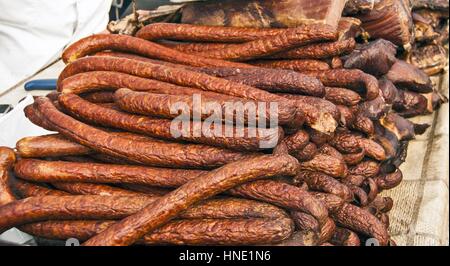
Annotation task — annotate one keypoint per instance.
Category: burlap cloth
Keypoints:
(420, 216)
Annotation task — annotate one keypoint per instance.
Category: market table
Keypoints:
(420, 215)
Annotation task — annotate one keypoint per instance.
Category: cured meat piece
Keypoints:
(99, 97)
(410, 104)
(304, 221)
(354, 158)
(375, 108)
(353, 7)
(388, 90)
(139, 151)
(94, 189)
(430, 4)
(347, 116)
(432, 59)
(53, 145)
(345, 237)
(162, 128)
(390, 20)
(161, 105)
(300, 65)
(169, 206)
(184, 78)
(389, 181)
(27, 189)
(99, 42)
(341, 96)
(408, 77)
(266, 79)
(181, 232)
(318, 51)
(362, 221)
(272, 80)
(326, 164)
(353, 79)
(320, 114)
(324, 183)
(286, 40)
(332, 202)
(296, 141)
(349, 28)
(284, 195)
(307, 153)
(375, 58)
(189, 32)
(263, 14)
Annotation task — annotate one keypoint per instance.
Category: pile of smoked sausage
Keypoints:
(113, 174)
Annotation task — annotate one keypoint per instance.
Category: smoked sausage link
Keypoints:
(134, 227)
(149, 152)
(124, 43)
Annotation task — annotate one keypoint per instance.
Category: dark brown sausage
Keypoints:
(53, 145)
(341, 96)
(7, 160)
(367, 168)
(288, 39)
(134, 227)
(360, 220)
(320, 114)
(300, 65)
(94, 189)
(346, 142)
(307, 153)
(219, 208)
(347, 116)
(272, 80)
(187, 32)
(42, 208)
(363, 124)
(329, 150)
(354, 158)
(389, 181)
(107, 80)
(296, 142)
(36, 118)
(326, 164)
(242, 137)
(345, 237)
(304, 221)
(324, 183)
(327, 231)
(284, 195)
(28, 189)
(310, 51)
(332, 202)
(286, 109)
(98, 97)
(95, 43)
(162, 105)
(373, 149)
(148, 152)
(59, 171)
(349, 78)
(318, 50)
(181, 232)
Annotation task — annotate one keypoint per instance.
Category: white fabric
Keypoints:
(33, 33)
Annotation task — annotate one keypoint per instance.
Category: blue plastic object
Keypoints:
(41, 84)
